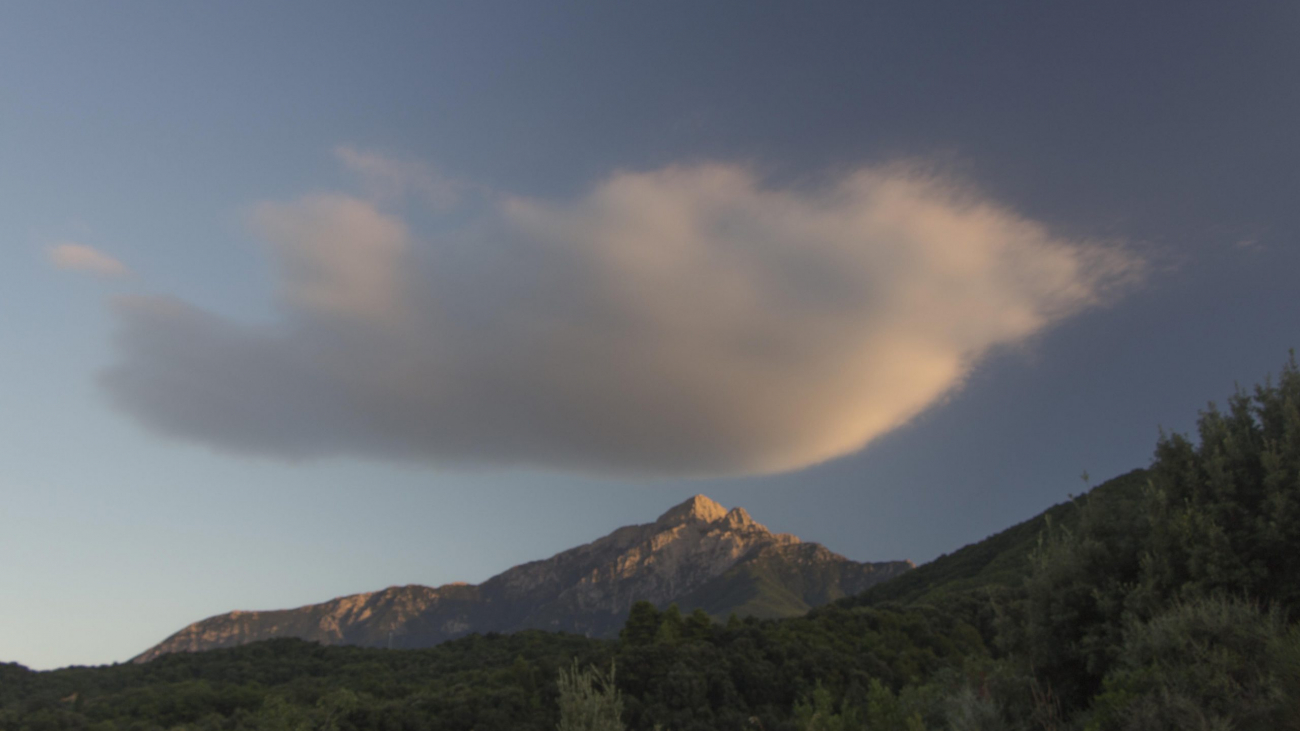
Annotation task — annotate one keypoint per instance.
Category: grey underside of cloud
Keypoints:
(682, 322)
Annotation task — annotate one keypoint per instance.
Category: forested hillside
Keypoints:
(1162, 599)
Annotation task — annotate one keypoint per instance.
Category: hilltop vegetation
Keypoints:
(1163, 599)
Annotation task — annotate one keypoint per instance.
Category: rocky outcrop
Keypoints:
(698, 554)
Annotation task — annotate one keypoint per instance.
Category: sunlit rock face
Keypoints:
(698, 554)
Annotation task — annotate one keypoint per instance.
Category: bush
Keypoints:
(1212, 663)
(589, 701)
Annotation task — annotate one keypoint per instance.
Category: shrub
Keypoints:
(588, 700)
(1211, 663)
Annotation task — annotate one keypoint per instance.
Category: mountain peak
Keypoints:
(697, 509)
(698, 554)
(739, 518)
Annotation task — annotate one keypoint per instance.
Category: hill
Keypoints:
(1001, 560)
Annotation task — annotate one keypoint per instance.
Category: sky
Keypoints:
(308, 299)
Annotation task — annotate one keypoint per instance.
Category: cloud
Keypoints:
(338, 256)
(70, 255)
(387, 179)
(686, 321)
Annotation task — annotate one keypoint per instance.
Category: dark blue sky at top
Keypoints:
(147, 129)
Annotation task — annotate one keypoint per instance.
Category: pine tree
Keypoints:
(671, 626)
(698, 626)
(641, 626)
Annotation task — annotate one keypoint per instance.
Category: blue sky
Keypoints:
(423, 291)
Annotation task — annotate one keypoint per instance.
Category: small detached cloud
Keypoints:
(686, 321)
(70, 255)
(390, 180)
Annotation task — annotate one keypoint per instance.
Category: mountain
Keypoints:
(697, 554)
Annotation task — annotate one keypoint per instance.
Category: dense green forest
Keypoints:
(1163, 599)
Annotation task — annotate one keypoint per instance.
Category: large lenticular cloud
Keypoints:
(688, 321)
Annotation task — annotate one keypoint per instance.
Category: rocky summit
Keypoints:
(697, 554)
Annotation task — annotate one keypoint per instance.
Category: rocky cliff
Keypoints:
(698, 554)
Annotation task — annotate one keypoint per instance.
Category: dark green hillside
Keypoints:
(497, 681)
(1001, 560)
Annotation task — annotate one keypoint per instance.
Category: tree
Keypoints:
(642, 624)
(818, 713)
(588, 700)
(698, 626)
(671, 626)
(278, 714)
(335, 706)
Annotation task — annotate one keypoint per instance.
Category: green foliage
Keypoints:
(760, 669)
(884, 711)
(969, 710)
(818, 713)
(642, 624)
(278, 714)
(887, 712)
(671, 626)
(710, 677)
(589, 700)
(1210, 663)
(336, 707)
(698, 626)
(497, 682)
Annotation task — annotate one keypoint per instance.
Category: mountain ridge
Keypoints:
(698, 554)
